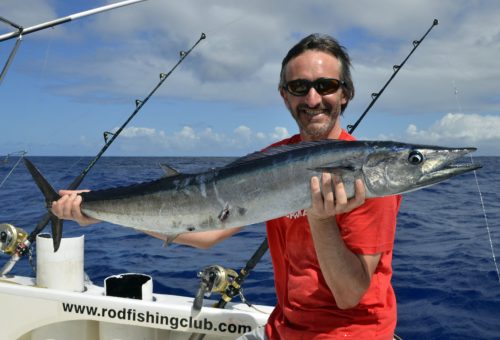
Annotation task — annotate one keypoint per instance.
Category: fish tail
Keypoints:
(50, 196)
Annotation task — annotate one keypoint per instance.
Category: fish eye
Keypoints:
(415, 157)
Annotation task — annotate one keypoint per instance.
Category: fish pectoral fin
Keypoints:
(224, 213)
(169, 239)
(169, 170)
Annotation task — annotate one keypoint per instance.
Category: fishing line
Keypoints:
(487, 225)
(21, 155)
(67, 171)
(456, 92)
(46, 57)
(455, 89)
(216, 29)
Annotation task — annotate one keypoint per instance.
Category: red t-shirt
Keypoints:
(306, 308)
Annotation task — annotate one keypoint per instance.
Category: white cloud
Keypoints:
(469, 128)
(458, 129)
(279, 133)
(189, 141)
(212, 136)
(132, 132)
(240, 57)
(187, 133)
(244, 132)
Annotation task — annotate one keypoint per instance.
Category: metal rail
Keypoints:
(21, 31)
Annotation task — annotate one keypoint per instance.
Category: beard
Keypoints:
(305, 118)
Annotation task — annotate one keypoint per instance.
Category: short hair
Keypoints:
(327, 44)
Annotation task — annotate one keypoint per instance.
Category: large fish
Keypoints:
(264, 185)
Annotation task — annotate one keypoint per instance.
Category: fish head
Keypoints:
(398, 168)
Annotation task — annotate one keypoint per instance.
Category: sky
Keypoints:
(69, 84)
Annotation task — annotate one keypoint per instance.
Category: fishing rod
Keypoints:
(396, 68)
(225, 281)
(22, 247)
(21, 31)
(233, 288)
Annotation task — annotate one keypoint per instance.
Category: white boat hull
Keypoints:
(32, 313)
(75, 309)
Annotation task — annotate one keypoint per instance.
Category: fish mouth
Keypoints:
(449, 169)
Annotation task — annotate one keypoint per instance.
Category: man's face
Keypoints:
(317, 116)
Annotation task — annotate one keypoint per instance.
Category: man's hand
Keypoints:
(68, 207)
(330, 202)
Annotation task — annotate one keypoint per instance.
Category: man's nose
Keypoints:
(312, 98)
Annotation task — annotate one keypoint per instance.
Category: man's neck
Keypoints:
(333, 134)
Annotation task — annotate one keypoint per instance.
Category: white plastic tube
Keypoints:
(131, 286)
(63, 269)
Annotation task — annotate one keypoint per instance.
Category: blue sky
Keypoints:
(69, 84)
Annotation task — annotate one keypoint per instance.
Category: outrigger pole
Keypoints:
(21, 31)
(23, 247)
(234, 287)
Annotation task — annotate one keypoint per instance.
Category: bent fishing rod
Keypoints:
(21, 31)
(25, 241)
(233, 288)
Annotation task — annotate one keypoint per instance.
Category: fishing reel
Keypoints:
(213, 279)
(10, 238)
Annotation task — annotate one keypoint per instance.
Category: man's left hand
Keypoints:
(333, 200)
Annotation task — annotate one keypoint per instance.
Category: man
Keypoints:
(332, 263)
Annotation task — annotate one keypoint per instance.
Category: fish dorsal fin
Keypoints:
(169, 170)
(276, 150)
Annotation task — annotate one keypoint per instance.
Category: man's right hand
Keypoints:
(68, 207)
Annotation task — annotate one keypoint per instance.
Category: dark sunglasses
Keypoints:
(324, 86)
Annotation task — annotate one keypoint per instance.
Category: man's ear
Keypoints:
(284, 95)
(343, 98)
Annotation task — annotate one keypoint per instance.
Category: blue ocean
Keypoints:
(445, 277)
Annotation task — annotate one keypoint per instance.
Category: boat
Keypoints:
(61, 303)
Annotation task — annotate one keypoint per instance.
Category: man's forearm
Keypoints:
(347, 274)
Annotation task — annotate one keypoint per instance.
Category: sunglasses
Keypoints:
(324, 86)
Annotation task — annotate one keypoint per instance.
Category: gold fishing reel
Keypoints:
(225, 277)
(213, 279)
(10, 238)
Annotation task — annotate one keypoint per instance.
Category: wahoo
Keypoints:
(263, 185)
